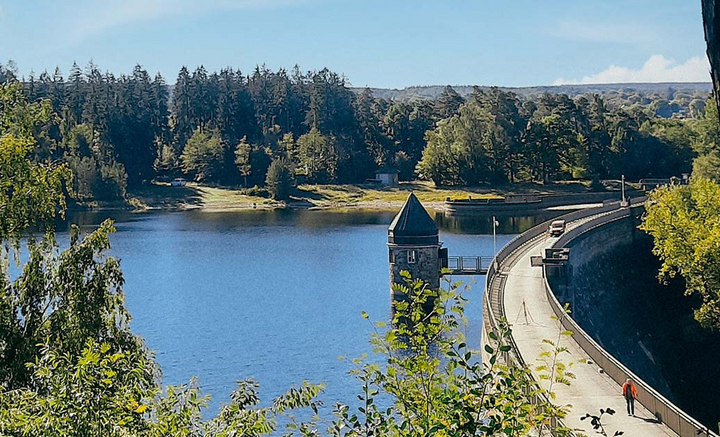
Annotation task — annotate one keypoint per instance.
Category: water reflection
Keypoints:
(318, 219)
(482, 223)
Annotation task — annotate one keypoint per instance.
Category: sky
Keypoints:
(376, 43)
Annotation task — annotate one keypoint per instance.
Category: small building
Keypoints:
(387, 176)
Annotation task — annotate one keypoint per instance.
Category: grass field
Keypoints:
(425, 191)
(194, 196)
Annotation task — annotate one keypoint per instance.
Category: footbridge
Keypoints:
(517, 290)
(468, 265)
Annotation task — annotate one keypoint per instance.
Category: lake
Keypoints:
(272, 295)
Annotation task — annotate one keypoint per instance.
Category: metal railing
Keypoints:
(495, 280)
(469, 264)
(665, 411)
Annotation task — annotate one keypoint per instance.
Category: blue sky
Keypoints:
(382, 43)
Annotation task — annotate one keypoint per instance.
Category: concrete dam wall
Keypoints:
(610, 283)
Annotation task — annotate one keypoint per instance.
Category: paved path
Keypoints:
(592, 390)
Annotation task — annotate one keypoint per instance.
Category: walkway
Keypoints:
(592, 390)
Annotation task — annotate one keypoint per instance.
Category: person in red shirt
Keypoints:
(629, 393)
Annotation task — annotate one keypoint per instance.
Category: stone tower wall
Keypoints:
(426, 267)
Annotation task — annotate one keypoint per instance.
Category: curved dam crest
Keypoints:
(611, 285)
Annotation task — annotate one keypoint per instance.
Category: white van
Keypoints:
(556, 228)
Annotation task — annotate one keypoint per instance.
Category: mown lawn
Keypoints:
(163, 196)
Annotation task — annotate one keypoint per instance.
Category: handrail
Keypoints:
(469, 263)
(499, 259)
(670, 414)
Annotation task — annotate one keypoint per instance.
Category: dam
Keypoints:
(533, 279)
(519, 285)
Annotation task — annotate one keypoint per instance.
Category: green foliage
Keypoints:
(439, 161)
(318, 157)
(167, 160)
(252, 162)
(552, 368)
(707, 130)
(707, 166)
(683, 221)
(448, 103)
(598, 425)
(706, 142)
(280, 179)
(495, 138)
(102, 391)
(481, 143)
(202, 157)
(62, 301)
(438, 385)
(30, 193)
(347, 134)
(242, 158)
(97, 175)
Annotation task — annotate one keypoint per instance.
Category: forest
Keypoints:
(119, 133)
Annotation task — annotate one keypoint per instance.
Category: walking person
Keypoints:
(630, 393)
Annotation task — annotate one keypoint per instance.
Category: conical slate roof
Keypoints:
(413, 225)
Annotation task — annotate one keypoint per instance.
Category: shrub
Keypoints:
(280, 180)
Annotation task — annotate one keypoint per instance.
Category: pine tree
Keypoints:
(76, 92)
(182, 126)
(448, 104)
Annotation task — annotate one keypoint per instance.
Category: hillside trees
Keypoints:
(97, 174)
(252, 161)
(496, 138)
(405, 126)
(683, 222)
(141, 127)
(448, 103)
(506, 135)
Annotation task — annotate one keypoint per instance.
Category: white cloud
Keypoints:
(656, 69)
(97, 17)
(605, 32)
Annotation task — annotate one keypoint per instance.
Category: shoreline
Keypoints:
(195, 197)
(369, 206)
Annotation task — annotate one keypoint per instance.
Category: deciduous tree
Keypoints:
(683, 221)
(202, 157)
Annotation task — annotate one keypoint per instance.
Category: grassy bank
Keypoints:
(194, 196)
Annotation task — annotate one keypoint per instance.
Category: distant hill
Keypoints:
(644, 89)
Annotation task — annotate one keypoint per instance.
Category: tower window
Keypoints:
(412, 256)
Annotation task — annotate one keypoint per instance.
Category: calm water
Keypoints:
(275, 296)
